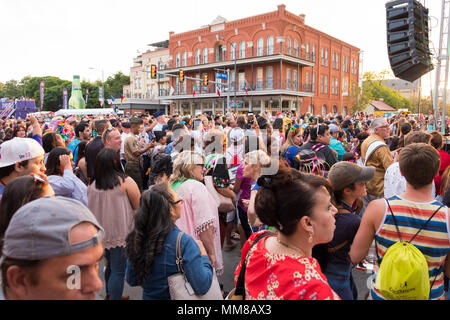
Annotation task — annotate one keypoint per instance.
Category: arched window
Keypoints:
(197, 57)
(334, 109)
(270, 45)
(289, 45)
(233, 51)
(205, 55)
(311, 109)
(324, 110)
(260, 47)
(296, 48)
(242, 50)
(345, 111)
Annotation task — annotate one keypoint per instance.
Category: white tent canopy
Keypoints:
(83, 112)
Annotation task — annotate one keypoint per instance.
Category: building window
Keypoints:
(233, 51)
(260, 47)
(232, 80)
(197, 56)
(307, 51)
(288, 79)
(307, 81)
(334, 60)
(295, 80)
(337, 61)
(296, 48)
(147, 71)
(289, 45)
(184, 58)
(178, 60)
(326, 58)
(242, 50)
(205, 55)
(324, 110)
(269, 77)
(270, 45)
(313, 83)
(321, 83)
(326, 84)
(259, 78)
(311, 109)
(241, 81)
(322, 56)
(314, 53)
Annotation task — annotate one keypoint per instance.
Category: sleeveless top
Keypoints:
(433, 241)
(113, 210)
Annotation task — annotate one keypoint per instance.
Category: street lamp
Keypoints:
(235, 54)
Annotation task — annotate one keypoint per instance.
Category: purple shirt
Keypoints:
(246, 186)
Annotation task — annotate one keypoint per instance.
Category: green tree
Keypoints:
(114, 85)
(373, 89)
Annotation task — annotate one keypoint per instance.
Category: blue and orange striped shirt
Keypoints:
(433, 241)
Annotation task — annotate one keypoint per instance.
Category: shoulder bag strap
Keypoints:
(240, 285)
(179, 256)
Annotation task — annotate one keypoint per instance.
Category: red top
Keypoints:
(282, 276)
(445, 162)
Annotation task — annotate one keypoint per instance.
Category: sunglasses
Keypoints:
(176, 202)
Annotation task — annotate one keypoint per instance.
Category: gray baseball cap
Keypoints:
(343, 174)
(40, 229)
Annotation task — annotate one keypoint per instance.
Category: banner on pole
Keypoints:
(65, 96)
(41, 93)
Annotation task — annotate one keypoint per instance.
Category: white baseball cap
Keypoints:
(19, 149)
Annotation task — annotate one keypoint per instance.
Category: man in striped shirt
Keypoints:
(419, 163)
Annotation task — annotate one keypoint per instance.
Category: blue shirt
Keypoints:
(197, 268)
(73, 146)
(337, 146)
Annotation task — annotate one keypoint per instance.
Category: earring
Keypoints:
(310, 240)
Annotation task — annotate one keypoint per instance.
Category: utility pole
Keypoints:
(442, 66)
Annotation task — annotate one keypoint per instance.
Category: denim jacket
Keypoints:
(198, 269)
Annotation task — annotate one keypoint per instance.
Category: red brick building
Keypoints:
(281, 65)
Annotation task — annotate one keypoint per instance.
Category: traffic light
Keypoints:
(181, 76)
(408, 39)
(154, 70)
(205, 80)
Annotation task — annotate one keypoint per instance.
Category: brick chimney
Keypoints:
(302, 17)
(281, 10)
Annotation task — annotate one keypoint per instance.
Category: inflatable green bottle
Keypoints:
(76, 100)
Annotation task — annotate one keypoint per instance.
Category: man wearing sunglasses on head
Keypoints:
(376, 153)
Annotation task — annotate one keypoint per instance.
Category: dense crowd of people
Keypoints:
(309, 197)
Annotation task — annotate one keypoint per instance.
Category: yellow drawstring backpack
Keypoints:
(403, 273)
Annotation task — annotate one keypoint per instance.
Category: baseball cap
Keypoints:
(158, 114)
(40, 229)
(333, 128)
(343, 174)
(236, 134)
(19, 149)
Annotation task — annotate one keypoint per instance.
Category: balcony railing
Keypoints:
(252, 52)
(258, 86)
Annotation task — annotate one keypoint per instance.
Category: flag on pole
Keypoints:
(193, 91)
(218, 91)
(122, 100)
(246, 89)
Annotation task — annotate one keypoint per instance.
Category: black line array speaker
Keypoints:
(407, 39)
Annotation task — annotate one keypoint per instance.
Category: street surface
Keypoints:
(231, 260)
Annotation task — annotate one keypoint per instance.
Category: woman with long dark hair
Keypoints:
(17, 193)
(61, 177)
(113, 197)
(150, 247)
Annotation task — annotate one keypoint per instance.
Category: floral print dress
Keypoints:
(282, 276)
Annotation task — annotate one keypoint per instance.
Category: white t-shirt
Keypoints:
(395, 183)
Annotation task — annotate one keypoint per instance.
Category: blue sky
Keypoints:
(62, 38)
